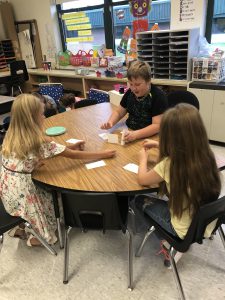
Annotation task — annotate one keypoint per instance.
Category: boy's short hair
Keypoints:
(67, 100)
(139, 69)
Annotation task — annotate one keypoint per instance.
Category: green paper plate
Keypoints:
(55, 130)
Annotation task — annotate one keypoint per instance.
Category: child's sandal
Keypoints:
(18, 232)
(33, 242)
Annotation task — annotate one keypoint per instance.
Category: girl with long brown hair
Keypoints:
(186, 171)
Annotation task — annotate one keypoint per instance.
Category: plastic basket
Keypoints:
(208, 69)
(86, 58)
(77, 60)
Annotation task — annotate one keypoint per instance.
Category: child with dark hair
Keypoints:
(66, 102)
(50, 107)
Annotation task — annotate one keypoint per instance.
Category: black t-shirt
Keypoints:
(141, 112)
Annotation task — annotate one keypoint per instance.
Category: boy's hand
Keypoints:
(130, 136)
(106, 125)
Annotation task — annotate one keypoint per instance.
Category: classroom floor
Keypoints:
(98, 269)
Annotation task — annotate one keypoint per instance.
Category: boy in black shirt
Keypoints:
(144, 102)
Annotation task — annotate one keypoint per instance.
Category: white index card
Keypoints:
(104, 136)
(73, 141)
(113, 138)
(131, 167)
(96, 164)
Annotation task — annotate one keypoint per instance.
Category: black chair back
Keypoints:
(92, 210)
(18, 72)
(85, 102)
(177, 97)
(206, 214)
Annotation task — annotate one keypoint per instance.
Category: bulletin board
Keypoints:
(28, 30)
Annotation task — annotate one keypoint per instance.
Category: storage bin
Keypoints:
(208, 69)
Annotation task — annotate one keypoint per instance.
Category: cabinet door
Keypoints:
(205, 98)
(218, 117)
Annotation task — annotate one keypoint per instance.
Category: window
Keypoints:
(218, 25)
(122, 17)
(82, 28)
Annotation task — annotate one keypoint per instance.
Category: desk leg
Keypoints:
(57, 215)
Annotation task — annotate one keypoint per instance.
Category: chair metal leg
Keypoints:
(66, 255)
(130, 261)
(59, 233)
(148, 233)
(20, 89)
(1, 241)
(175, 273)
(57, 215)
(44, 243)
(132, 218)
(222, 235)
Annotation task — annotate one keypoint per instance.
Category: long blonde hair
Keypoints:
(194, 176)
(24, 135)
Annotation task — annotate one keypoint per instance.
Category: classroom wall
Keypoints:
(44, 11)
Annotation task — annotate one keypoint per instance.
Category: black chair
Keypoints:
(177, 97)
(93, 211)
(85, 102)
(8, 222)
(18, 75)
(195, 234)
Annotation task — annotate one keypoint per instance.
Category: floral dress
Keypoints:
(21, 197)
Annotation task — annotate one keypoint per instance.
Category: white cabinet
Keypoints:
(212, 110)
(217, 132)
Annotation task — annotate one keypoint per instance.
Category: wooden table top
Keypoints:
(5, 99)
(84, 123)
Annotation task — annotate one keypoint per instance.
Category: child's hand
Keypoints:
(106, 125)
(109, 153)
(143, 155)
(77, 146)
(148, 144)
(130, 136)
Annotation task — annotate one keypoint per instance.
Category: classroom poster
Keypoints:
(26, 48)
(187, 14)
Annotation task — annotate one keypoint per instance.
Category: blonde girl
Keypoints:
(186, 172)
(23, 150)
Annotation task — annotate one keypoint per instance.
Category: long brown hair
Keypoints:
(194, 176)
(24, 135)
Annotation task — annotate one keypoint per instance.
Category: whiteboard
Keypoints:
(26, 48)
